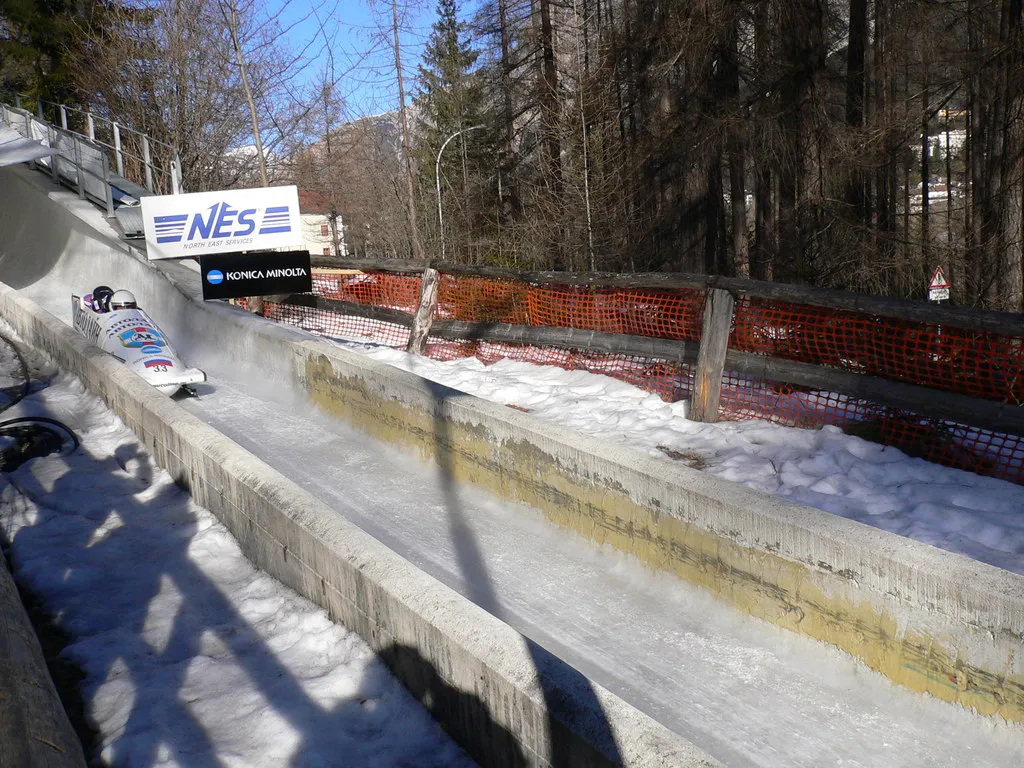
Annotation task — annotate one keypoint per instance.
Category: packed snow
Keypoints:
(192, 656)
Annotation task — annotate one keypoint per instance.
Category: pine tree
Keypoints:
(451, 99)
(40, 47)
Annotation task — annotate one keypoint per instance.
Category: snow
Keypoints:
(192, 656)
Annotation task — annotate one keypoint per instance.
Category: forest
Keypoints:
(853, 144)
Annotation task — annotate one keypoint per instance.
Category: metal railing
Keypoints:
(137, 158)
(76, 161)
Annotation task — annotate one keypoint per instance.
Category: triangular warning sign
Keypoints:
(938, 280)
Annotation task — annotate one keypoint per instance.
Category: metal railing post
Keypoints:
(117, 150)
(90, 126)
(78, 168)
(51, 133)
(108, 189)
(149, 162)
(17, 100)
(63, 117)
(39, 109)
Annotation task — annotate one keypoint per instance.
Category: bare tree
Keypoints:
(229, 11)
(410, 202)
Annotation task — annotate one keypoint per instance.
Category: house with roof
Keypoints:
(322, 227)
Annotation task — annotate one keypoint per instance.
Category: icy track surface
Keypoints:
(746, 691)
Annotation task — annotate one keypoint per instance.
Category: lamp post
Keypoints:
(437, 180)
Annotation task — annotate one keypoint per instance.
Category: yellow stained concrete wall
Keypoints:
(922, 623)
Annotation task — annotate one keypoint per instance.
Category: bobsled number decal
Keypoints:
(160, 365)
(141, 337)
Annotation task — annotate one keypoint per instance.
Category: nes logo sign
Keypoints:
(221, 222)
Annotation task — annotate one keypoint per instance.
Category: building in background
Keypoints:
(323, 231)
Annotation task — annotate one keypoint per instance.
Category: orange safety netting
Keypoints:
(979, 364)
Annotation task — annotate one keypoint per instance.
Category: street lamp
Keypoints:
(437, 180)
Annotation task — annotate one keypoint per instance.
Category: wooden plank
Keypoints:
(353, 308)
(569, 338)
(983, 320)
(986, 321)
(368, 265)
(424, 314)
(460, 330)
(925, 401)
(714, 342)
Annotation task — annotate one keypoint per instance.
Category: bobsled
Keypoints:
(134, 339)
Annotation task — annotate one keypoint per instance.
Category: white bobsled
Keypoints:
(134, 339)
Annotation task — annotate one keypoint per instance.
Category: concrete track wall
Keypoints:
(928, 619)
(34, 729)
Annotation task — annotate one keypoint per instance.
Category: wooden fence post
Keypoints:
(424, 313)
(714, 343)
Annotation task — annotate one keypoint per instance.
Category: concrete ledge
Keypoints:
(34, 729)
(928, 619)
(505, 700)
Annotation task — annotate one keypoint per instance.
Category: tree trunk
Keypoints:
(765, 243)
(549, 97)
(856, 191)
(730, 71)
(414, 231)
(508, 196)
(230, 14)
(925, 167)
(1011, 220)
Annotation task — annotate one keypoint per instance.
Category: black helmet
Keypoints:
(101, 297)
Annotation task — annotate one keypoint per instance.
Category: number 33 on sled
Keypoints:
(114, 323)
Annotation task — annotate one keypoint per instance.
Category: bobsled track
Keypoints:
(715, 626)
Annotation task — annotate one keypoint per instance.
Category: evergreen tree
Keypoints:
(40, 46)
(451, 99)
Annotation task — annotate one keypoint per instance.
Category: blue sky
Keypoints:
(360, 38)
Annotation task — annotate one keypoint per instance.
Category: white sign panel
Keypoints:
(219, 222)
(938, 294)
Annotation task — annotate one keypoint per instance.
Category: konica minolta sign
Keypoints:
(233, 275)
(221, 222)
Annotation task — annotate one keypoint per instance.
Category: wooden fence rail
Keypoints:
(981, 320)
(926, 401)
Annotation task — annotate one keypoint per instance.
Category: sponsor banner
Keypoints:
(234, 220)
(234, 275)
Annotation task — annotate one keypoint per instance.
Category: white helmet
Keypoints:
(123, 300)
